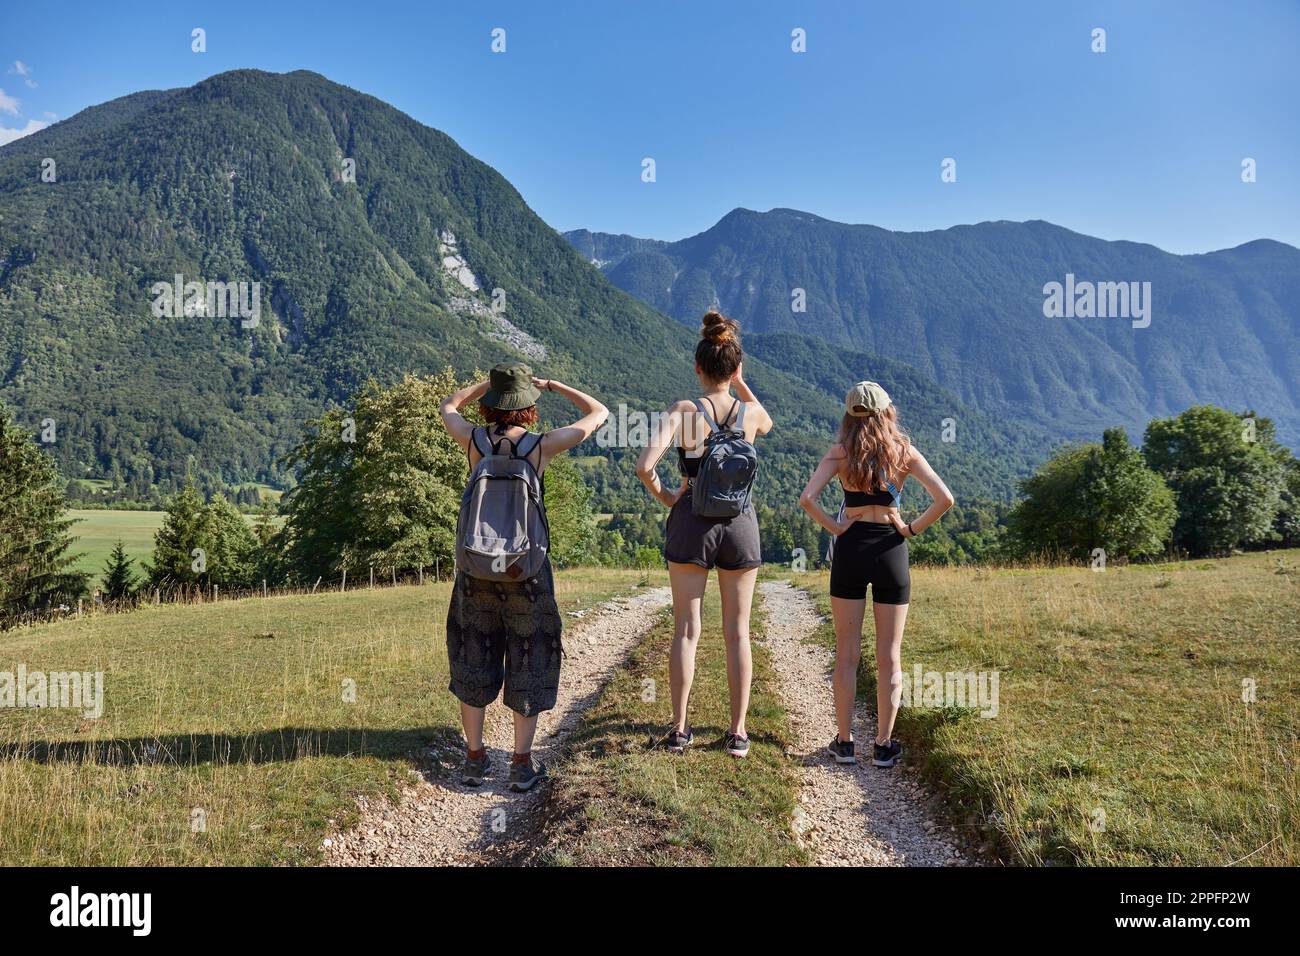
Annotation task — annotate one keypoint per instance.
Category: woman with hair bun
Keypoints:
(711, 522)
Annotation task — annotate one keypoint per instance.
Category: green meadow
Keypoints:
(98, 530)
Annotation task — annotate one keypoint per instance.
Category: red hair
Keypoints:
(509, 417)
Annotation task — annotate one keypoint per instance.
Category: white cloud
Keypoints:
(25, 71)
(9, 135)
(8, 104)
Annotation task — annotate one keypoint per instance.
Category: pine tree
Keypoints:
(183, 544)
(119, 582)
(232, 560)
(35, 566)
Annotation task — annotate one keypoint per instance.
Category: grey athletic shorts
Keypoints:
(506, 633)
(728, 543)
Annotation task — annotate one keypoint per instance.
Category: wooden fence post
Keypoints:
(345, 581)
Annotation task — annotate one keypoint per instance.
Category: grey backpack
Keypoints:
(502, 534)
(727, 468)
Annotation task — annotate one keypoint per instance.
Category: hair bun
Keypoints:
(719, 329)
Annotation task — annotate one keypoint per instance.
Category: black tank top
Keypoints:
(691, 466)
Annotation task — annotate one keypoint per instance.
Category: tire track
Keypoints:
(437, 820)
(847, 815)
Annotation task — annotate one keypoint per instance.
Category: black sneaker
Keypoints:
(473, 772)
(887, 755)
(737, 745)
(676, 741)
(843, 751)
(523, 776)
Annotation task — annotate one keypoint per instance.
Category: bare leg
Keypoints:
(525, 728)
(890, 619)
(471, 718)
(688, 583)
(737, 589)
(848, 615)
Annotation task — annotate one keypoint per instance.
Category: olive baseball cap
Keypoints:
(866, 398)
(511, 387)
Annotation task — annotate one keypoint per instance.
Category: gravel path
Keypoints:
(847, 816)
(438, 821)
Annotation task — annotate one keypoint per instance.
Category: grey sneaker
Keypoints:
(842, 750)
(676, 741)
(737, 745)
(523, 776)
(473, 772)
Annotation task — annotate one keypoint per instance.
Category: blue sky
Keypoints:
(1142, 142)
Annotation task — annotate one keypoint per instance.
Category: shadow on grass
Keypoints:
(270, 746)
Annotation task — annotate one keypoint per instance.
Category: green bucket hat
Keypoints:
(511, 387)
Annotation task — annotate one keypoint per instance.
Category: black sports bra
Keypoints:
(856, 499)
(889, 498)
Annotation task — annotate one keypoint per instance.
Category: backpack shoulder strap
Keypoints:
(475, 436)
(525, 447)
(712, 423)
(739, 409)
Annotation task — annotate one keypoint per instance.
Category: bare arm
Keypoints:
(755, 407)
(460, 429)
(670, 425)
(560, 440)
(808, 500)
(920, 469)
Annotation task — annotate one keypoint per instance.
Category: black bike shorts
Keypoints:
(874, 554)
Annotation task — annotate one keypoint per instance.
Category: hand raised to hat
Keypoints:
(543, 384)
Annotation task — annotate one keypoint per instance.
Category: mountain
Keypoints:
(424, 258)
(966, 307)
(242, 178)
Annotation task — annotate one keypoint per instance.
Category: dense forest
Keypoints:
(379, 249)
(965, 307)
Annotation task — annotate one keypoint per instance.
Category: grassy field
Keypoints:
(1122, 736)
(98, 530)
(619, 801)
(232, 715)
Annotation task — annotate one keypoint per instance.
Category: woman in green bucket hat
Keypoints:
(506, 634)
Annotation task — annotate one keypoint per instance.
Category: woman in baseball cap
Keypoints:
(872, 459)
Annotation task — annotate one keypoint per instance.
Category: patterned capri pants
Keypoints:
(505, 634)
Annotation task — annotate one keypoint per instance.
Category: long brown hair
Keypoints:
(719, 354)
(876, 448)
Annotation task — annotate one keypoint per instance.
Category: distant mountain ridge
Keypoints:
(380, 248)
(964, 305)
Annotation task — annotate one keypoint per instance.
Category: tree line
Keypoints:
(378, 491)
